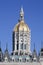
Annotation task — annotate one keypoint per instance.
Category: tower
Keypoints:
(6, 55)
(21, 36)
(34, 54)
(1, 54)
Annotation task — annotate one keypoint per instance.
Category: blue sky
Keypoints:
(9, 15)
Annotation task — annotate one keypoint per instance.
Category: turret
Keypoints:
(6, 54)
(1, 54)
(34, 54)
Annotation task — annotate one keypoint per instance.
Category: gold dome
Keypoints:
(21, 26)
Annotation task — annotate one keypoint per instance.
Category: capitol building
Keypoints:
(21, 41)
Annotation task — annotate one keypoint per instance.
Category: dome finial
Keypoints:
(21, 14)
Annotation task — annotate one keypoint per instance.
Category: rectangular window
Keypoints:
(24, 46)
(21, 46)
(17, 46)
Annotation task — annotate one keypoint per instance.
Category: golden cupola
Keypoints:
(21, 25)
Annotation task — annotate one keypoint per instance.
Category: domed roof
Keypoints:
(21, 25)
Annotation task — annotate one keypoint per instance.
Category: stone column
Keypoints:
(15, 47)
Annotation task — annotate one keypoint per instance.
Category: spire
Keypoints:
(6, 46)
(0, 44)
(21, 14)
(34, 46)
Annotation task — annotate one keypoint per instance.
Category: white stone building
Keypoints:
(21, 36)
(21, 53)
